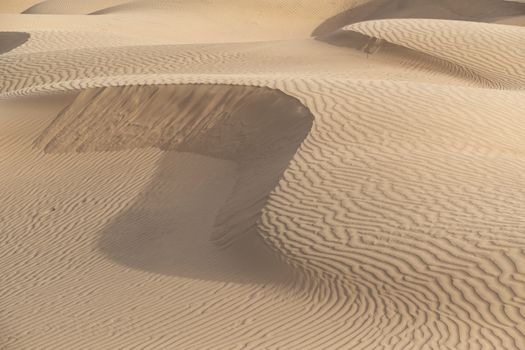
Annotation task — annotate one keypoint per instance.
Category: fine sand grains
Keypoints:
(265, 195)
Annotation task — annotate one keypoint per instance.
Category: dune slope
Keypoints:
(70, 7)
(478, 11)
(473, 46)
(11, 40)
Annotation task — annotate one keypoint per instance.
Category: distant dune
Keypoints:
(66, 7)
(262, 175)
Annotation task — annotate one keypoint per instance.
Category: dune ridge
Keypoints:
(257, 128)
(70, 7)
(464, 10)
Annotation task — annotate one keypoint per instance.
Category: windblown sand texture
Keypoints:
(268, 174)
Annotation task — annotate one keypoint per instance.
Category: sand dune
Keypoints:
(478, 10)
(185, 22)
(67, 7)
(16, 6)
(361, 190)
(472, 46)
(309, 7)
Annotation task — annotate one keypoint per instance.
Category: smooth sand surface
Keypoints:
(11, 40)
(210, 175)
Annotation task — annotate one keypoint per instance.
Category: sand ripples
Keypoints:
(400, 212)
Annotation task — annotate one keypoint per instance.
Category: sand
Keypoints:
(262, 175)
(11, 40)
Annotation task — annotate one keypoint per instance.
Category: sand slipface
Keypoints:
(11, 40)
(236, 122)
(363, 189)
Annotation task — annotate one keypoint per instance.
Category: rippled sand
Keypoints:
(232, 174)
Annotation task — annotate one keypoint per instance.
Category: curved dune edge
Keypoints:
(349, 231)
(496, 52)
(484, 11)
(79, 7)
(258, 128)
(11, 40)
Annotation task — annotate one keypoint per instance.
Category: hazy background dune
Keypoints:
(262, 175)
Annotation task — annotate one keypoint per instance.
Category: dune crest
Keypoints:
(70, 7)
(237, 122)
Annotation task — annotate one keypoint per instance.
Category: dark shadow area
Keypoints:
(197, 216)
(349, 39)
(167, 230)
(11, 40)
(481, 11)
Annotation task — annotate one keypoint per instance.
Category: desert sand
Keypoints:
(227, 174)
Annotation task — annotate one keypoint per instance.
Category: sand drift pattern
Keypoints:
(397, 203)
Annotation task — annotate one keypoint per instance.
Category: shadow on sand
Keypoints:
(167, 229)
(11, 40)
(197, 216)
